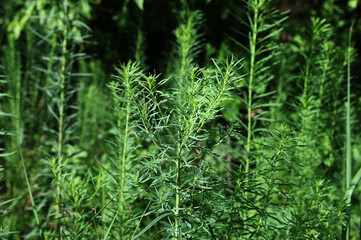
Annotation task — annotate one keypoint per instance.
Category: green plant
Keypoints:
(125, 119)
(16, 153)
(262, 22)
(243, 137)
(171, 166)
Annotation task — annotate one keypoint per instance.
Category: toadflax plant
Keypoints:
(264, 25)
(179, 179)
(125, 147)
(258, 146)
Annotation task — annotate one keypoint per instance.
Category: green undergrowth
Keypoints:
(118, 122)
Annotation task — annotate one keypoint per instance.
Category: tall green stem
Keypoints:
(13, 70)
(62, 104)
(304, 99)
(250, 83)
(123, 156)
(322, 85)
(348, 117)
(177, 196)
(348, 126)
(28, 185)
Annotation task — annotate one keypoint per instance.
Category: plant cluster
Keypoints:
(253, 136)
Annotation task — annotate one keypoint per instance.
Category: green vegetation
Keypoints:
(184, 119)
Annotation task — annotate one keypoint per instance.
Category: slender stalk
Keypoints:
(250, 83)
(28, 57)
(62, 105)
(15, 85)
(28, 185)
(322, 86)
(348, 117)
(348, 126)
(177, 196)
(323, 81)
(51, 59)
(304, 99)
(280, 89)
(123, 156)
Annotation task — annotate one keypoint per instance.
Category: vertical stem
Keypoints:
(28, 83)
(13, 72)
(304, 94)
(51, 57)
(15, 86)
(123, 155)
(348, 118)
(322, 85)
(280, 89)
(304, 99)
(348, 127)
(250, 83)
(177, 196)
(62, 104)
(28, 185)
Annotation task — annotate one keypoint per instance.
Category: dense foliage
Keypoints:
(205, 119)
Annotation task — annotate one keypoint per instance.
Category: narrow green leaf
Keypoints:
(9, 201)
(91, 220)
(7, 233)
(3, 133)
(111, 224)
(151, 224)
(7, 154)
(139, 3)
(3, 114)
(352, 4)
(353, 184)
